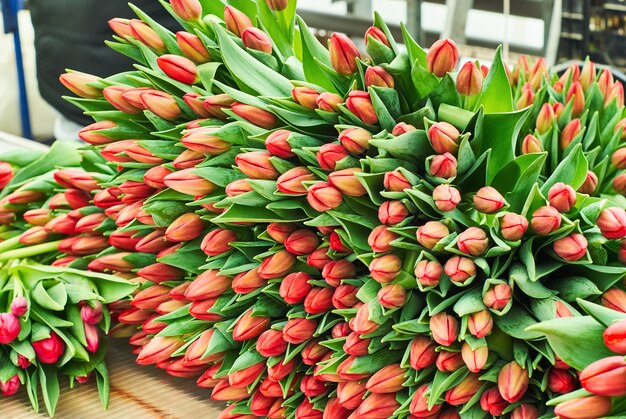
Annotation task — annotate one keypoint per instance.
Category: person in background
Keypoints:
(71, 34)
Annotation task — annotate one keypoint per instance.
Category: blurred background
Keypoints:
(560, 30)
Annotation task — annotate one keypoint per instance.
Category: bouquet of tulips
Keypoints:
(322, 233)
(52, 319)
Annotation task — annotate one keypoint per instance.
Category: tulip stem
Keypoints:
(29, 251)
(456, 116)
(10, 243)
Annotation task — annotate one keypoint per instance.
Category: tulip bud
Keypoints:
(449, 361)
(179, 68)
(443, 166)
(422, 352)
(473, 241)
(277, 144)
(277, 265)
(290, 182)
(377, 34)
(492, 402)
(161, 272)
(346, 181)
(254, 115)
(313, 353)
(189, 10)
(619, 184)
(209, 284)
(391, 296)
(328, 101)
(392, 212)
(248, 327)
(301, 242)
(78, 83)
(570, 132)
(469, 81)
(215, 105)
(428, 273)
(385, 268)
(488, 200)
(444, 137)
(380, 239)
(160, 103)
(350, 394)
(335, 271)
(343, 54)
(92, 337)
(446, 197)
(571, 248)
(299, 330)
(562, 197)
(185, 228)
(360, 104)
(329, 155)
(280, 231)
(616, 94)
(312, 387)
(322, 196)
(378, 406)
(217, 241)
(475, 359)
(34, 235)
(92, 313)
(192, 47)
(545, 118)
(336, 244)
(236, 21)
(38, 216)
(605, 377)
(589, 186)
(223, 391)
(345, 296)
(526, 99)
(512, 382)
(525, 411)
(9, 328)
(388, 379)
(238, 187)
(587, 407)
(378, 76)
(271, 343)
(431, 233)
(545, 220)
(187, 182)
(513, 226)
(201, 310)
(561, 381)
(48, 350)
(464, 391)
(246, 282)
(612, 223)
(146, 35)
(576, 95)
(419, 404)
(442, 57)
(361, 323)
(120, 27)
(444, 328)
(618, 158)
(615, 337)
(497, 297)
(615, 299)
(305, 96)
(245, 377)
(318, 300)
(256, 165)
(11, 386)
(395, 181)
(355, 140)
(256, 39)
(531, 145)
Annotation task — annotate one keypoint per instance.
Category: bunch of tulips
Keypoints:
(323, 233)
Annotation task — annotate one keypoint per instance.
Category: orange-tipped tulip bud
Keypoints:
(576, 95)
(443, 166)
(271, 343)
(361, 323)
(488, 200)
(146, 35)
(360, 104)
(246, 282)
(160, 272)
(159, 349)
(187, 182)
(612, 223)
(428, 273)
(419, 404)
(217, 241)
(442, 57)
(475, 359)
(280, 231)
(345, 296)
(223, 391)
(187, 9)
(588, 407)
(346, 181)
(513, 226)
(531, 145)
(431, 233)
(449, 361)
(192, 47)
(318, 300)
(160, 103)
(618, 158)
(615, 337)
(422, 352)
(236, 21)
(395, 181)
(256, 39)
(605, 377)
(335, 271)
(34, 235)
(473, 241)
(305, 96)
(148, 298)
(343, 54)
(277, 144)
(322, 196)
(179, 68)
(378, 76)
(277, 265)
(571, 248)
(465, 390)
(388, 379)
(589, 186)
(208, 284)
(570, 132)
(78, 83)
(277, 5)
(299, 330)
(385, 268)
(378, 406)
(444, 328)
(245, 377)
(90, 134)
(480, 323)
(391, 296)
(120, 27)
(380, 239)
(446, 197)
(295, 287)
(248, 327)
(302, 242)
(444, 137)
(290, 182)
(526, 99)
(615, 299)
(185, 228)
(492, 402)
(469, 81)
(216, 104)
(512, 382)
(562, 197)
(545, 118)
(497, 297)
(254, 115)
(545, 220)
(355, 140)
(328, 102)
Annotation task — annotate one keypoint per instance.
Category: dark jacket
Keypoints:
(71, 34)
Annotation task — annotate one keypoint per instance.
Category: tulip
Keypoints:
(336, 244)
(92, 133)
(34, 235)
(612, 223)
(355, 140)
(378, 76)
(475, 359)
(78, 83)
(402, 128)
(378, 406)
(562, 197)
(377, 34)
(385, 268)
(217, 241)
(179, 68)
(256, 165)
(388, 379)
(469, 81)
(480, 323)
(160, 103)
(392, 212)
(465, 390)
(323, 197)
(571, 248)
(91, 313)
(201, 310)
(254, 115)
(277, 144)
(615, 299)
(49, 350)
(294, 287)
(343, 54)
(313, 353)
(319, 258)
(545, 118)
(545, 220)
(395, 181)
(185, 228)
(280, 231)
(312, 387)
(92, 337)
(605, 377)
(216, 104)
(134, 316)
(444, 328)
(345, 296)
(588, 407)
(187, 182)
(488, 200)
(614, 337)
(589, 186)
(238, 187)
(277, 265)
(236, 21)
(446, 197)
(449, 361)
(621, 127)
(443, 166)
(223, 391)
(193, 100)
(444, 137)
(290, 182)
(561, 381)
(429, 234)
(513, 226)
(9, 327)
(576, 95)
(428, 273)
(570, 132)
(419, 404)
(146, 35)
(329, 155)
(492, 402)
(512, 382)
(347, 182)
(192, 47)
(246, 282)
(361, 323)
(616, 94)
(380, 239)
(525, 411)
(350, 394)
(618, 158)
(442, 57)
(318, 300)
(497, 296)
(306, 410)
(11, 386)
(328, 102)
(299, 330)
(256, 39)
(391, 296)
(120, 27)
(208, 284)
(526, 99)
(473, 241)
(621, 253)
(355, 345)
(271, 343)
(248, 326)
(360, 104)
(161, 272)
(305, 96)
(124, 240)
(38, 216)
(19, 306)
(335, 271)
(245, 377)
(189, 10)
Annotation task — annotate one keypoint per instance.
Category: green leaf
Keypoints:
(49, 382)
(572, 171)
(571, 288)
(496, 95)
(516, 179)
(102, 380)
(604, 315)
(517, 323)
(45, 297)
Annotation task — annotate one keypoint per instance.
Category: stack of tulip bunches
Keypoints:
(352, 236)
